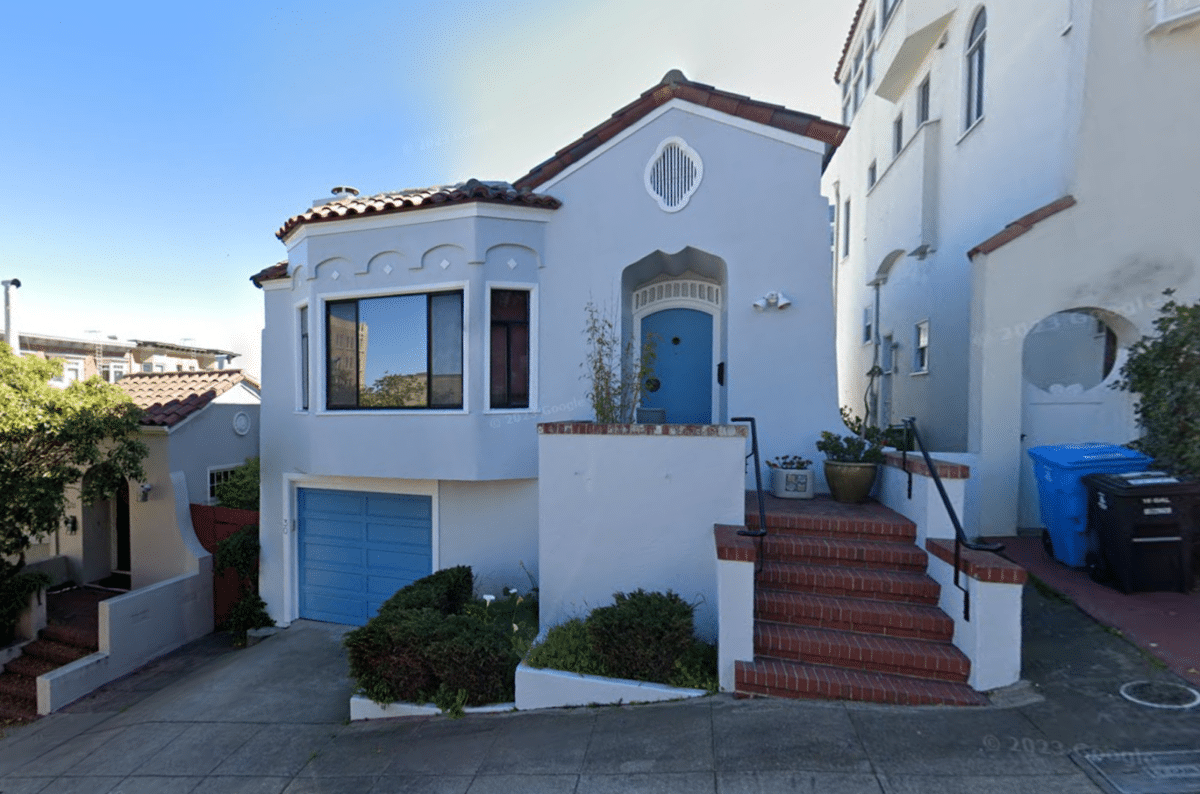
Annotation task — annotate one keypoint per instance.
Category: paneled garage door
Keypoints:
(357, 549)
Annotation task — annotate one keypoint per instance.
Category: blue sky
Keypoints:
(151, 150)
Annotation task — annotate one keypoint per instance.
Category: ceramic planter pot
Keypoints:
(850, 482)
(792, 483)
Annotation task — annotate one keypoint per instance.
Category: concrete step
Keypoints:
(30, 666)
(780, 678)
(57, 652)
(68, 635)
(853, 651)
(821, 516)
(864, 615)
(869, 583)
(845, 552)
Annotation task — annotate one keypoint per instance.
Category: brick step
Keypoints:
(68, 635)
(19, 687)
(845, 552)
(30, 666)
(824, 517)
(864, 615)
(850, 650)
(52, 651)
(793, 680)
(867, 583)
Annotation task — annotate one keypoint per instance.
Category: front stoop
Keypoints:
(844, 610)
(56, 646)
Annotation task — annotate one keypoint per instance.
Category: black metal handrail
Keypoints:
(960, 537)
(762, 510)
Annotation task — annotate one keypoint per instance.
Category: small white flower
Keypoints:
(489, 599)
(515, 629)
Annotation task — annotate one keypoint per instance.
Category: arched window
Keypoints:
(975, 42)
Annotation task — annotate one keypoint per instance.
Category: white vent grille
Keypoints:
(673, 174)
(695, 291)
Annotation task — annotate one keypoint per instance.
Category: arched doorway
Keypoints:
(1069, 362)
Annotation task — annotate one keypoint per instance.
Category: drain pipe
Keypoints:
(11, 334)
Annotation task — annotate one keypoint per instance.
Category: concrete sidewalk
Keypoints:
(272, 718)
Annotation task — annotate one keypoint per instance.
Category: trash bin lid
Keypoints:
(1086, 455)
(1143, 483)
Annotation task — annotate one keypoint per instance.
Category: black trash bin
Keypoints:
(1144, 524)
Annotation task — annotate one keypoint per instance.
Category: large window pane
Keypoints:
(342, 355)
(509, 363)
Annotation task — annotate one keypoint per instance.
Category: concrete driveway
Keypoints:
(273, 718)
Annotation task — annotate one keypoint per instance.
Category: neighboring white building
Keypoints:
(415, 339)
(1017, 189)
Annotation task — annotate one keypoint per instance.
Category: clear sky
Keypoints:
(150, 150)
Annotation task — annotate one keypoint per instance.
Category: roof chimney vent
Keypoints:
(341, 191)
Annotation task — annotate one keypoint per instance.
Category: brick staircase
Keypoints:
(843, 609)
(54, 647)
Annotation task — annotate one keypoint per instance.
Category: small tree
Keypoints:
(617, 373)
(1164, 371)
(49, 439)
(240, 490)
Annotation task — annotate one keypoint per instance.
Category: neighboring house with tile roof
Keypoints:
(415, 339)
(200, 425)
(1016, 190)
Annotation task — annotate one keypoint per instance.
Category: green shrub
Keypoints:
(15, 590)
(240, 490)
(567, 647)
(475, 657)
(446, 591)
(240, 552)
(697, 668)
(642, 634)
(388, 656)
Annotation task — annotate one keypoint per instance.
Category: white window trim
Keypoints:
(379, 292)
(292, 481)
(72, 362)
(533, 346)
(212, 497)
(916, 346)
(970, 100)
(868, 333)
(844, 242)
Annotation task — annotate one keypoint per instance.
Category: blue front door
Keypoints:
(683, 367)
(357, 549)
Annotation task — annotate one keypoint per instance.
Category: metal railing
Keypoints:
(960, 537)
(762, 509)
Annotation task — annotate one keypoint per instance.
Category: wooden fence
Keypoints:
(212, 525)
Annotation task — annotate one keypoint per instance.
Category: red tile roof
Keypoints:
(415, 199)
(849, 38)
(1021, 225)
(675, 86)
(170, 397)
(275, 271)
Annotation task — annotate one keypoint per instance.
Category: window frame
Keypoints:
(868, 333)
(225, 469)
(897, 135)
(321, 376)
(872, 174)
(845, 228)
(920, 360)
(924, 98)
(304, 358)
(489, 287)
(974, 73)
(112, 367)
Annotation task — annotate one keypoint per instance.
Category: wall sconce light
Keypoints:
(144, 492)
(775, 298)
(72, 525)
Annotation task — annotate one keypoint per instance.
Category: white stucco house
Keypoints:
(1016, 190)
(414, 340)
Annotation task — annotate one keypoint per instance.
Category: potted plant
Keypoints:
(791, 477)
(852, 461)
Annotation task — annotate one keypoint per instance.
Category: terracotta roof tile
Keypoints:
(1021, 225)
(675, 86)
(170, 397)
(473, 190)
(275, 271)
(849, 38)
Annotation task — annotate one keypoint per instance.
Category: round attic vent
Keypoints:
(673, 174)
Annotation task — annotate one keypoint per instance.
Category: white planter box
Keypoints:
(363, 708)
(793, 483)
(546, 688)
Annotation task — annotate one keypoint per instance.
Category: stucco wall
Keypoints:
(619, 512)
(209, 440)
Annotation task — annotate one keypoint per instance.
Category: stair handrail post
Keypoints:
(762, 509)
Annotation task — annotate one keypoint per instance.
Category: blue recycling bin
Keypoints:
(1062, 496)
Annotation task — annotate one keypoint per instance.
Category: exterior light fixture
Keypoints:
(774, 298)
(144, 492)
(760, 304)
(72, 525)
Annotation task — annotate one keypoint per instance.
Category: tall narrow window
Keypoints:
(304, 358)
(509, 362)
(398, 351)
(846, 228)
(898, 134)
(872, 175)
(867, 331)
(975, 43)
(921, 347)
(923, 101)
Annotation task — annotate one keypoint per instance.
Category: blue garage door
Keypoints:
(357, 549)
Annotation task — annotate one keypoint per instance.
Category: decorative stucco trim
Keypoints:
(983, 566)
